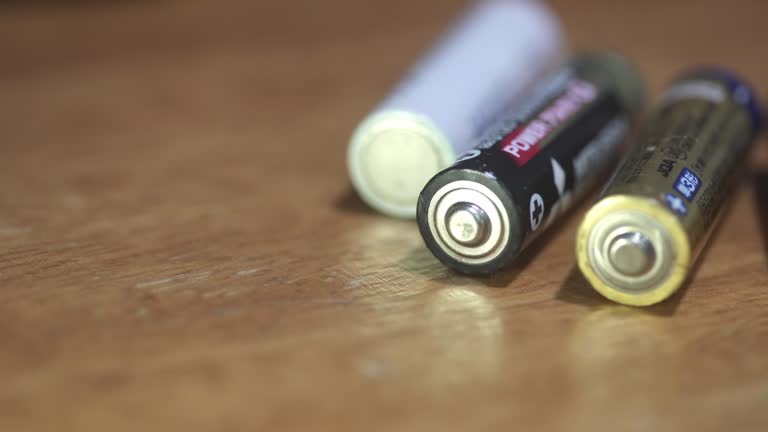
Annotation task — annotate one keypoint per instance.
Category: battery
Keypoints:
(637, 244)
(477, 215)
(477, 71)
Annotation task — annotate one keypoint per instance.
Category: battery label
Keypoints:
(688, 184)
(524, 142)
(593, 155)
(588, 162)
(687, 155)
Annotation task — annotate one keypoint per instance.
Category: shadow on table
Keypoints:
(350, 202)
(421, 261)
(507, 277)
(577, 290)
(760, 190)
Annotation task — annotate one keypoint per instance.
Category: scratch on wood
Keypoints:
(10, 231)
(152, 283)
(180, 277)
(354, 283)
(249, 272)
(223, 292)
(377, 369)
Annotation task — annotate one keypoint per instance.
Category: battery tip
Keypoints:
(467, 224)
(633, 250)
(632, 254)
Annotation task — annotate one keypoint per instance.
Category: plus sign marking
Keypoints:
(537, 211)
(676, 204)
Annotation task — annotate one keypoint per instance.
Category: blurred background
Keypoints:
(180, 246)
(252, 71)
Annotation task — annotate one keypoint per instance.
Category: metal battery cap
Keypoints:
(468, 222)
(632, 254)
(632, 250)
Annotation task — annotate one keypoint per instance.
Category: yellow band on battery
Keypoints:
(675, 235)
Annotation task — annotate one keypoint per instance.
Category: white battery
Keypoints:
(476, 73)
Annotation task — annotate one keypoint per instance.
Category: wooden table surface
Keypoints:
(180, 248)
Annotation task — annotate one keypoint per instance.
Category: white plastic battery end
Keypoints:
(391, 157)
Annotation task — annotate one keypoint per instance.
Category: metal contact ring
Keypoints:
(616, 227)
(480, 210)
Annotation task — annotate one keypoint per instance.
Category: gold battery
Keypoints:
(637, 244)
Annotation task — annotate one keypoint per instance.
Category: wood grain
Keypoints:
(180, 247)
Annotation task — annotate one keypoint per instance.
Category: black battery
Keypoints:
(479, 214)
